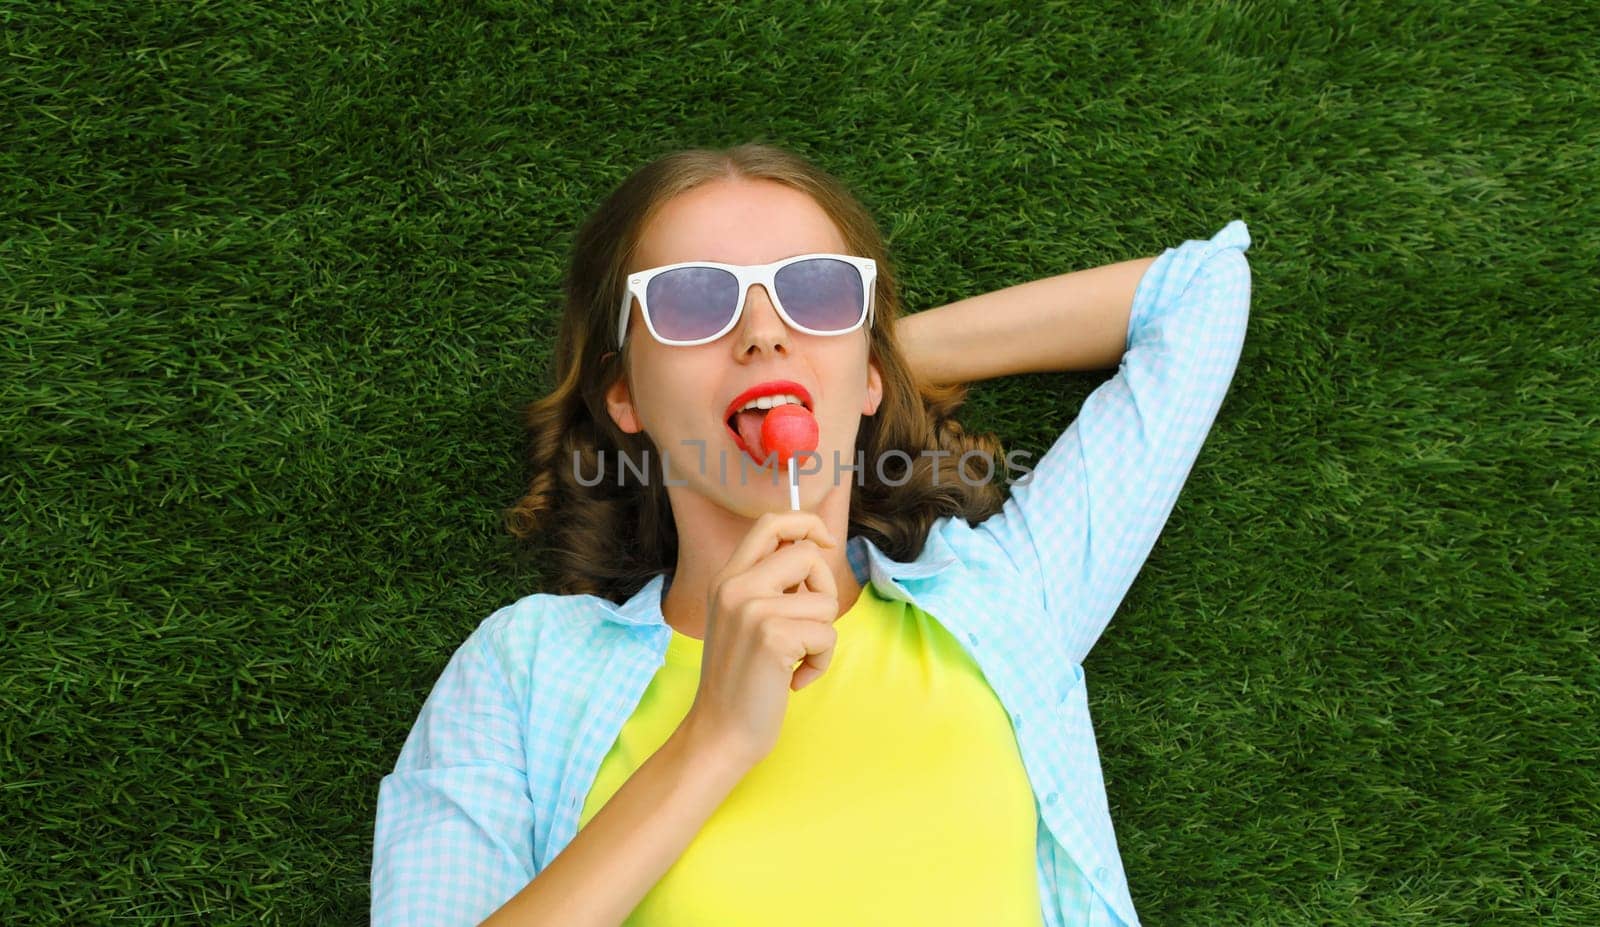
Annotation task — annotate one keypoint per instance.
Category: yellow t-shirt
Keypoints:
(895, 793)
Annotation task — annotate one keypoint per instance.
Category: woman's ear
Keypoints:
(619, 402)
(874, 389)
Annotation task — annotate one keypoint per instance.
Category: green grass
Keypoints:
(274, 282)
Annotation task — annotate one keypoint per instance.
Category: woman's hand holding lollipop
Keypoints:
(756, 632)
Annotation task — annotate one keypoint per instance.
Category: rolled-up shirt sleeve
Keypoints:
(1080, 525)
(453, 839)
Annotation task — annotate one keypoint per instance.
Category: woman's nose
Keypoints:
(761, 326)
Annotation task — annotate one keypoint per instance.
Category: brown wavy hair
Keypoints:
(608, 539)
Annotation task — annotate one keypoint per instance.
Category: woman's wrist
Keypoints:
(709, 754)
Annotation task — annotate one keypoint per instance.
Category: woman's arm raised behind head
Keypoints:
(1080, 525)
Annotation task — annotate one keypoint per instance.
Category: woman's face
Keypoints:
(679, 396)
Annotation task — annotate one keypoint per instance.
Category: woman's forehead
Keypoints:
(744, 223)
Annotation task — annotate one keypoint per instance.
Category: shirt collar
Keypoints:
(867, 561)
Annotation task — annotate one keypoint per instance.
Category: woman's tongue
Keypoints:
(748, 423)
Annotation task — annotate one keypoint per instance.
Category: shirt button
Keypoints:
(973, 638)
(1050, 799)
(1016, 721)
(1101, 872)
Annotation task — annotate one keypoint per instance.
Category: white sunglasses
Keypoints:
(696, 302)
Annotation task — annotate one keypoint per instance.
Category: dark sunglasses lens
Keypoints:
(822, 294)
(691, 303)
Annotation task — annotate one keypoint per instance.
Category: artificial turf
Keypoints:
(276, 279)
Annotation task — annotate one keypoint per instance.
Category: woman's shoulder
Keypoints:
(546, 630)
(541, 617)
(544, 638)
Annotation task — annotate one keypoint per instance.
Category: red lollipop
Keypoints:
(788, 430)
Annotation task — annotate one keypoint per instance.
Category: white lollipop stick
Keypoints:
(794, 488)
